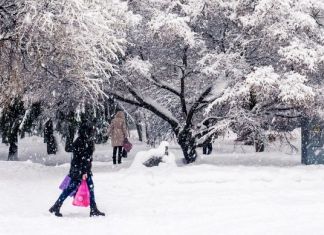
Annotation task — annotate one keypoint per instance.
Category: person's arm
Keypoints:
(77, 162)
(124, 130)
(128, 132)
(89, 150)
(110, 129)
(85, 161)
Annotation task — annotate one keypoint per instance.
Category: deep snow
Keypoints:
(233, 191)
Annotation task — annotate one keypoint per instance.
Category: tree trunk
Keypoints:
(49, 138)
(10, 123)
(188, 145)
(51, 145)
(13, 140)
(69, 139)
(13, 152)
(259, 145)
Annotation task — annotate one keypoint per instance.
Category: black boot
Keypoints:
(56, 209)
(95, 212)
(119, 158)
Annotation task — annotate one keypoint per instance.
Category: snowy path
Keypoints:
(231, 192)
(201, 199)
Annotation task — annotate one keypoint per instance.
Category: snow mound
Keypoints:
(143, 156)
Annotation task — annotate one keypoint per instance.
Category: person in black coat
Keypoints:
(83, 148)
(207, 146)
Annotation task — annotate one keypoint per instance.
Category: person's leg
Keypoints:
(204, 149)
(114, 155)
(210, 148)
(120, 152)
(91, 190)
(66, 192)
(93, 206)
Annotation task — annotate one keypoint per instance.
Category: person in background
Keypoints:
(81, 164)
(118, 132)
(208, 146)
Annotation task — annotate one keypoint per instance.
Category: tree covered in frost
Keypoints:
(284, 44)
(165, 66)
(71, 47)
(249, 65)
(11, 86)
(255, 64)
(59, 53)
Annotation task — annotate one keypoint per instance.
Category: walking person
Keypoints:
(207, 146)
(118, 132)
(81, 164)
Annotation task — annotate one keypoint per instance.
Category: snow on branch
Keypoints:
(171, 26)
(293, 90)
(154, 107)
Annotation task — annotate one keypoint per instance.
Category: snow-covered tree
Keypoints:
(246, 65)
(284, 44)
(165, 66)
(11, 87)
(254, 64)
(60, 52)
(72, 47)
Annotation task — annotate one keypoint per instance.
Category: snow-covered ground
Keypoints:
(232, 191)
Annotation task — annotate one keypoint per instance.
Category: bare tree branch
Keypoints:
(194, 107)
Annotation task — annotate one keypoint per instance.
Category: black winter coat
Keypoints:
(82, 158)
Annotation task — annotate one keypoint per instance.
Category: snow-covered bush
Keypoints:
(158, 154)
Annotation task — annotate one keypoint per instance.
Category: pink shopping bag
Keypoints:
(82, 197)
